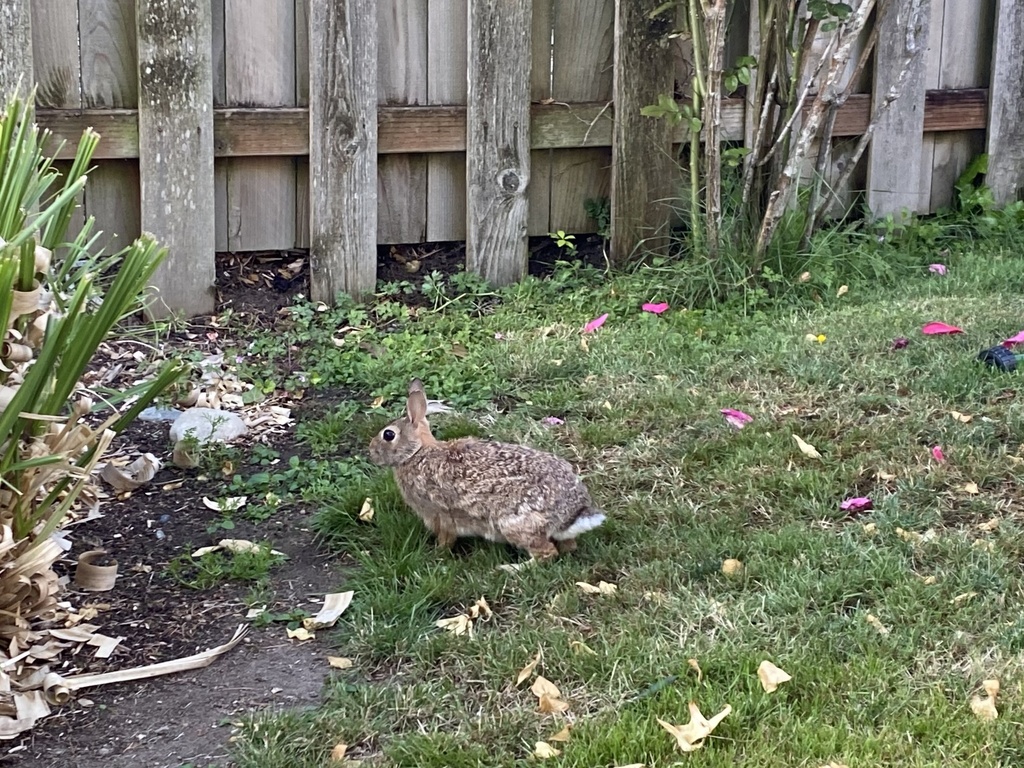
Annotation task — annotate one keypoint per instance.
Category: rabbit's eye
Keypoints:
(388, 435)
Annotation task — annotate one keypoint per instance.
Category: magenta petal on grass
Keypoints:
(552, 420)
(856, 504)
(594, 324)
(1018, 339)
(937, 454)
(937, 269)
(737, 419)
(656, 309)
(936, 329)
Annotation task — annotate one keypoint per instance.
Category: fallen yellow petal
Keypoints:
(771, 677)
(602, 588)
(339, 662)
(457, 625)
(300, 633)
(971, 488)
(842, 290)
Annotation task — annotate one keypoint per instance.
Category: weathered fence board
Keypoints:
(16, 63)
(343, 151)
(498, 141)
(642, 162)
(302, 100)
(580, 74)
(538, 191)
(176, 140)
(220, 167)
(260, 70)
(1006, 128)
(896, 149)
(55, 54)
(963, 57)
(58, 72)
(402, 80)
(446, 84)
(110, 79)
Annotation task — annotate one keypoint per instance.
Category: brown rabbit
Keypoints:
(469, 487)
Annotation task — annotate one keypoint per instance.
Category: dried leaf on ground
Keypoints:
(971, 488)
(300, 633)
(132, 476)
(602, 588)
(562, 735)
(984, 707)
(806, 448)
(457, 625)
(335, 604)
(543, 750)
(228, 504)
(771, 676)
(526, 671)
(339, 662)
(480, 610)
(691, 736)
(548, 695)
(963, 418)
(991, 525)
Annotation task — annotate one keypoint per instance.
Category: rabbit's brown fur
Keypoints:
(469, 487)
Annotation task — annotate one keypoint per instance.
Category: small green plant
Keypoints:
(600, 210)
(565, 242)
(215, 568)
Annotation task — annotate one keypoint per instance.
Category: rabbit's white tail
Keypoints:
(586, 521)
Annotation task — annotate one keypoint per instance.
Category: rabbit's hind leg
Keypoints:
(565, 546)
(541, 549)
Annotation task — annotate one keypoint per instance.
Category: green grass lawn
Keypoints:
(888, 620)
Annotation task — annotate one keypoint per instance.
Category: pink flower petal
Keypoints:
(552, 420)
(938, 454)
(594, 324)
(856, 504)
(933, 329)
(937, 269)
(737, 419)
(657, 309)
(1018, 339)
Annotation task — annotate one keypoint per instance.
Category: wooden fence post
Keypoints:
(643, 167)
(343, 147)
(498, 139)
(894, 164)
(1005, 175)
(15, 48)
(176, 150)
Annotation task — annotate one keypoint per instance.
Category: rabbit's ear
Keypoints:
(416, 404)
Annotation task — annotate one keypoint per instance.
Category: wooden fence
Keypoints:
(270, 124)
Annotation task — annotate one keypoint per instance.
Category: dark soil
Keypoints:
(186, 718)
